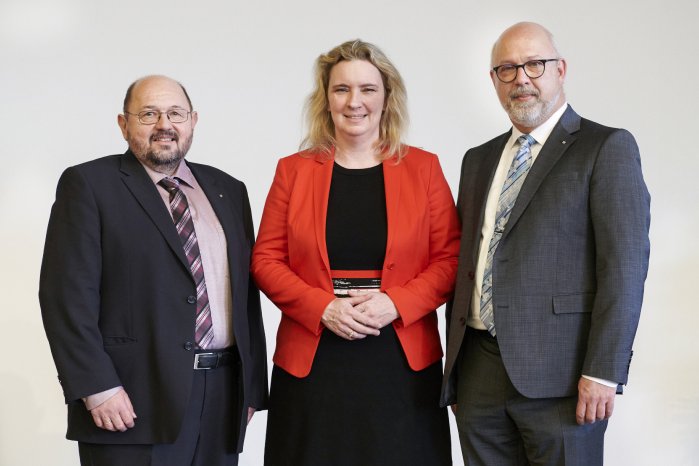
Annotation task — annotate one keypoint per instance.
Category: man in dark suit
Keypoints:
(153, 321)
(554, 255)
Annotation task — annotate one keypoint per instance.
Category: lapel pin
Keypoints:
(220, 195)
(563, 142)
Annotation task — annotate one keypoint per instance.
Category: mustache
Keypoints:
(522, 91)
(164, 133)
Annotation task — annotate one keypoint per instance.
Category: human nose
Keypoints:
(521, 76)
(163, 121)
(353, 100)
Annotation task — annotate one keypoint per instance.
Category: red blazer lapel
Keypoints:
(322, 176)
(392, 185)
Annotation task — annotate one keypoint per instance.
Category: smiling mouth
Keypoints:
(524, 94)
(355, 117)
(164, 138)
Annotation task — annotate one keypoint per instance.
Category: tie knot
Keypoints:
(526, 140)
(171, 184)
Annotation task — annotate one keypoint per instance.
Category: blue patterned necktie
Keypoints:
(510, 190)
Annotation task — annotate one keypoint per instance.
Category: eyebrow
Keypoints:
(359, 85)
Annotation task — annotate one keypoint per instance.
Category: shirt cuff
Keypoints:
(606, 383)
(93, 401)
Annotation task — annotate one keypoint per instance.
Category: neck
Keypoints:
(357, 155)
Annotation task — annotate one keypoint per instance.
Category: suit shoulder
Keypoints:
(592, 127)
(496, 141)
(214, 172)
(102, 163)
(418, 155)
(302, 162)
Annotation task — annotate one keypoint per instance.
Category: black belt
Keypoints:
(214, 359)
(481, 333)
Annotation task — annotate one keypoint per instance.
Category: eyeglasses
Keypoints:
(533, 68)
(151, 117)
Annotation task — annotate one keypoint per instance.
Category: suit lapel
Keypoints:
(558, 142)
(228, 211)
(322, 176)
(142, 188)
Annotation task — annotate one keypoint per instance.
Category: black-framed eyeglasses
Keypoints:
(151, 117)
(533, 68)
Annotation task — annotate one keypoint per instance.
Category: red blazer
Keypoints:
(290, 259)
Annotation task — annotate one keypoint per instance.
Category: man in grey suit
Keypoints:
(554, 255)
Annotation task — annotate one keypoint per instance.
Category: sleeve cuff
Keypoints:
(607, 383)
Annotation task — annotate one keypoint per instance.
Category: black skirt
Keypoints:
(360, 405)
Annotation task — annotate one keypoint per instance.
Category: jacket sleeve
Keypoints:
(69, 290)
(620, 212)
(434, 285)
(270, 261)
(259, 392)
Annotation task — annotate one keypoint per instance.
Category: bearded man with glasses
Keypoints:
(152, 318)
(554, 256)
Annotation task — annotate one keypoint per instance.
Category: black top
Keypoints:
(356, 225)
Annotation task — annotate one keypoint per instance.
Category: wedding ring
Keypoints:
(351, 334)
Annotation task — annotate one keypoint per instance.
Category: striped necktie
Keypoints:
(510, 190)
(203, 328)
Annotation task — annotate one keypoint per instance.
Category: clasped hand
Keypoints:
(361, 314)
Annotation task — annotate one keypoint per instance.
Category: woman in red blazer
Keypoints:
(357, 247)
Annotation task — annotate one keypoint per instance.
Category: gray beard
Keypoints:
(162, 161)
(531, 115)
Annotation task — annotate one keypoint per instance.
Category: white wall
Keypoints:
(65, 64)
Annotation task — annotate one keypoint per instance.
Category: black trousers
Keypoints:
(208, 436)
(499, 426)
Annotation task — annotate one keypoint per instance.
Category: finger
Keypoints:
(97, 420)
(610, 409)
(359, 298)
(107, 423)
(118, 424)
(371, 328)
(126, 418)
(129, 406)
(580, 412)
(591, 412)
(601, 411)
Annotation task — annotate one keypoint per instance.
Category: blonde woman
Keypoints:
(357, 247)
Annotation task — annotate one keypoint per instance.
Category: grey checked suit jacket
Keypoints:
(569, 272)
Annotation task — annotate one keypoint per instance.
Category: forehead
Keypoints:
(355, 70)
(158, 92)
(522, 45)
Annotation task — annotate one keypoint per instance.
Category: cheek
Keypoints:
(335, 104)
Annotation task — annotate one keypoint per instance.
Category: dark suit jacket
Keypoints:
(114, 297)
(569, 271)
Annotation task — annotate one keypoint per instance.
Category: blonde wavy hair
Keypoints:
(394, 120)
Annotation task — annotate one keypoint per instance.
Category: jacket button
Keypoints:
(390, 266)
(462, 321)
(191, 299)
(188, 345)
(471, 275)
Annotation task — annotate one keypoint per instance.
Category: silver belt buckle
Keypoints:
(196, 361)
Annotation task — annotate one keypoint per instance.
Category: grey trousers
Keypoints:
(499, 426)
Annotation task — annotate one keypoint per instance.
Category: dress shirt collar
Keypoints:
(543, 131)
(183, 173)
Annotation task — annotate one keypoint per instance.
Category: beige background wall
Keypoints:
(65, 64)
